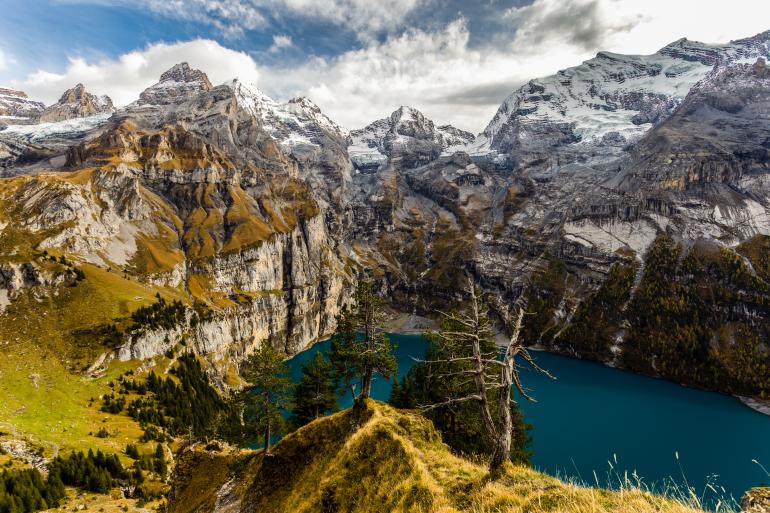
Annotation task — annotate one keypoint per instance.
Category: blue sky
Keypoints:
(46, 32)
(358, 59)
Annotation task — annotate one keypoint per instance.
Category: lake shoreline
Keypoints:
(757, 405)
(412, 324)
(638, 423)
(416, 325)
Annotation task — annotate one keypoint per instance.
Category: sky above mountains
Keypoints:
(357, 59)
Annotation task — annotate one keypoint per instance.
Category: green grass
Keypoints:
(45, 389)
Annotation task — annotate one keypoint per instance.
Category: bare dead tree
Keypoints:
(492, 377)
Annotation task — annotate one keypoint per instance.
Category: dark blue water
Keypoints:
(593, 415)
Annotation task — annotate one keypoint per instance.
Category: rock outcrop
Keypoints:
(178, 84)
(720, 135)
(756, 500)
(16, 107)
(76, 103)
(605, 197)
(406, 138)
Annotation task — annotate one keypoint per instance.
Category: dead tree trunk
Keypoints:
(479, 374)
(502, 448)
(481, 368)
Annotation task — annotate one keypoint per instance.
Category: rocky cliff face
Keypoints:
(186, 190)
(76, 103)
(176, 85)
(16, 107)
(719, 135)
(406, 137)
(625, 200)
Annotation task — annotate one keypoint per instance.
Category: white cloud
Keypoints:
(280, 42)
(362, 16)
(125, 77)
(436, 72)
(633, 26)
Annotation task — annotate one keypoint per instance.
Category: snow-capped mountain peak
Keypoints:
(407, 127)
(610, 95)
(298, 122)
(176, 84)
(16, 107)
(76, 103)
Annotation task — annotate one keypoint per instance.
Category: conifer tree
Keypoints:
(315, 394)
(161, 468)
(359, 347)
(267, 374)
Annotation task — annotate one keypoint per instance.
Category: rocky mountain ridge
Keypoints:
(76, 103)
(263, 213)
(176, 84)
(16, 107)
(609, 100)
(406, 136)
(327, 466)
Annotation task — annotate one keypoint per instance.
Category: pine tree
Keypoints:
(267, 374)
(160, 461)
(396, 395)
(315, 394)
(360, 348)
(132, 451)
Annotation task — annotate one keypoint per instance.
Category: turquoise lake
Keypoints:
(592, 415)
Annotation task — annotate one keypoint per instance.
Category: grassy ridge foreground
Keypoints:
(375, 458)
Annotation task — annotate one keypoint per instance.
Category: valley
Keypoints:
(623, 202)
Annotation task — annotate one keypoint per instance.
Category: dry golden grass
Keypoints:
(378, 459)
(157, 254)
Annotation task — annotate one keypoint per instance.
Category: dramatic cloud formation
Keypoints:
(229, 16)
(633, 26)
(124, 78)
(453, 75)
(436, 72)
(363, 16)
(585, 24)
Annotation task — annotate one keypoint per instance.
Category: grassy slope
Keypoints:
(42, 381)
(380, 459)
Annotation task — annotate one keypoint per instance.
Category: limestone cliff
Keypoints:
(261, 214)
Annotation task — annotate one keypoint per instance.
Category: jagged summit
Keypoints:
(406, 133)
(296, 124)
(176, 84)
(182, 72)
(16, 107)
(615, 95)
(76, 103)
